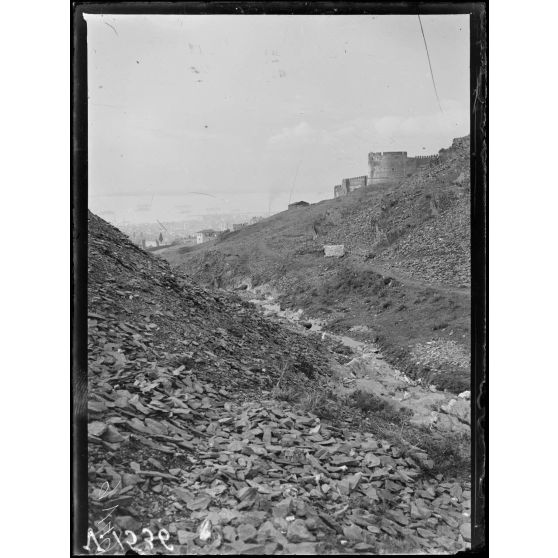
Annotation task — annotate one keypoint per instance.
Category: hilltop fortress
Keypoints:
(391, 166)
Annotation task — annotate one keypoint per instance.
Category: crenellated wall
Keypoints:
(415, 164)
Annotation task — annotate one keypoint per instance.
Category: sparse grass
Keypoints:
(322, 404)
(317, 397)
(291, 382)
(371, 404)
(285, 393)
(285, 390)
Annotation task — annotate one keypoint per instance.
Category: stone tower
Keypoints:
(386, 166)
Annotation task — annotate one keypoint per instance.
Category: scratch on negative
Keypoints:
(106, 23)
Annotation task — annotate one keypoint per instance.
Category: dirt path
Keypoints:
(407, 280)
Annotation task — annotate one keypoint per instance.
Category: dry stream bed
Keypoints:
(368, 372)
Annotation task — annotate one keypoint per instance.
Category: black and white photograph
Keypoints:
(279, 238)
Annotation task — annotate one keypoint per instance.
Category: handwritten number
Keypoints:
(107, 490)
(150, 540)
(113, 491)
(131, 544)
(164, 536)
(117, 539)
(91, 535)
(108, 528)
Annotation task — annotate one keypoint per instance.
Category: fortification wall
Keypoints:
(415, 164)
(349, 185)
(356, 182)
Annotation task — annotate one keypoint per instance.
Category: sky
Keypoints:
(232, 113)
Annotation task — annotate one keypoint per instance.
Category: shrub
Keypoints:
(368, 402)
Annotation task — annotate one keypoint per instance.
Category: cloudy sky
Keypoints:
(204, 114)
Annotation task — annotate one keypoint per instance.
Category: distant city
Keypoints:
(160, 234)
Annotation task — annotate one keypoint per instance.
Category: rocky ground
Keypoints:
(193, 451)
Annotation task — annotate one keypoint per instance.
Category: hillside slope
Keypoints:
(187, 437)
(405, 276)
